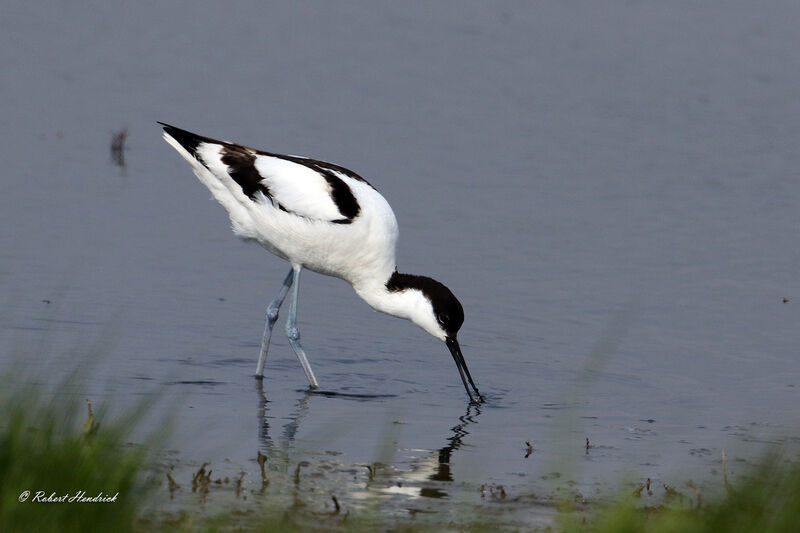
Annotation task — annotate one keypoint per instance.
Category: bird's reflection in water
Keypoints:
(300, 412)
(279, 453)
(442, 472)
(432, 466)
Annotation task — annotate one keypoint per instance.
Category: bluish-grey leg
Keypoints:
(272, 317)
(294, 334)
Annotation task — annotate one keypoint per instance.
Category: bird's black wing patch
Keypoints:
(341, 194)
(242, 168)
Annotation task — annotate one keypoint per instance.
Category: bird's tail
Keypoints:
(192, 147)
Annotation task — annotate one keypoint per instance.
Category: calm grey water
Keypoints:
(611, 189)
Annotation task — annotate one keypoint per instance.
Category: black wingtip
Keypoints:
(169, 127)
(190, 141)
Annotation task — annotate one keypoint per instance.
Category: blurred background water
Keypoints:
(611, 189)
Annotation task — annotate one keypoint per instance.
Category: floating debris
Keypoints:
(336, 504)
(496, 492)
(529, 450)
(118, 147)
(587, 445)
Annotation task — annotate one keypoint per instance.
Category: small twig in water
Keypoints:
(201, 479)
(530, 449)
(728, 486)
(173, 485)
(672, 493)
(262, 461)
(297, 471)
(91, 426)
(691, 484)
(239, 484)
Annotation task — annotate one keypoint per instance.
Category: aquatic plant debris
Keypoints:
(172, 485)
(201, 480)
(261, 459)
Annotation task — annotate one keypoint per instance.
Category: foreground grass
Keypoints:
(48, 452)
(767, 501)
(54, 450)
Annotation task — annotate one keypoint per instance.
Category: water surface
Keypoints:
(610, 189)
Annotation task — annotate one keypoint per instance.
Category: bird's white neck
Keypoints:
(380, 298)
(403, 302)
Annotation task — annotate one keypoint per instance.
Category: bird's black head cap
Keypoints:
(446, 307)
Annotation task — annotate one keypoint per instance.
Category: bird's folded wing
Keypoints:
(305, 187)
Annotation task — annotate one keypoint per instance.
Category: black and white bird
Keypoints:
(325, 218)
